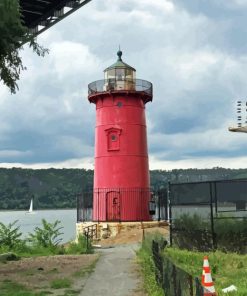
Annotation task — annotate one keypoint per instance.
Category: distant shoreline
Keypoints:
(35, 210)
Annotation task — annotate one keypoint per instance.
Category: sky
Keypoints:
(194, 53)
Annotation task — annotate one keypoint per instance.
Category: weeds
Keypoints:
(81, 247)
(148, 267)
(9, 288)
(43, 242)
(193, 233)
(61, 283)
(226, 269)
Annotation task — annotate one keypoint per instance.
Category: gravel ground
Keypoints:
(115, 273)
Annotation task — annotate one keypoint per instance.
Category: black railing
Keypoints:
(126, 197)
(91, 231)
(173, 280)
(137, 85)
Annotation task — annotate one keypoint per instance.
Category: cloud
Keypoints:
(188, 53)
(77, 163)
(14, 153)
(198, 163)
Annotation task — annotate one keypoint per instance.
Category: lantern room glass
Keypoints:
(120, 74)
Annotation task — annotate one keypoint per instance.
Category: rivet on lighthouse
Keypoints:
(121, 171)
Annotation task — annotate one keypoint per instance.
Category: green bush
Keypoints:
(81, 247)
(194, 233)
(48, 236)
(10, 237)
(231, 235)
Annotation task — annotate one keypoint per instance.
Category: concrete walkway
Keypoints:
(114, 274)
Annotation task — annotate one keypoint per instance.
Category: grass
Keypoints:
(144, 256)
(226, 268)
(9, 288)
(80, 247)
(61, 283)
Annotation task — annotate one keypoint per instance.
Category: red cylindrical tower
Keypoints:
(121, 173)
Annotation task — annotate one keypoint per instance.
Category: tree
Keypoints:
(13, 34)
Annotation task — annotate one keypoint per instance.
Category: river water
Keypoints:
(28, 222)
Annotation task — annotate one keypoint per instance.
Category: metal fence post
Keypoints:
(77, 209)
(159, 193)
(87, 235)
(212, 217)
(170, 210)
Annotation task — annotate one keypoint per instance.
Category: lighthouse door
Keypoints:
(113, 206)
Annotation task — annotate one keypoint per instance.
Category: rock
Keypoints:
(8, 257)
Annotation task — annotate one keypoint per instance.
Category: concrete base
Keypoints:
(104, 230)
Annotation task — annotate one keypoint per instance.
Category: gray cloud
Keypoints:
(191, 55)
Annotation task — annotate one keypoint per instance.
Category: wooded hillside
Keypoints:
(57, 188)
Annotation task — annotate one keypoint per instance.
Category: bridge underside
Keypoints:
(39, 15)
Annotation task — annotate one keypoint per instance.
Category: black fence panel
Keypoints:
(209, 215)
(85, 207)
(191, 239)
(174, 280)
(85, 202)
(231, 196)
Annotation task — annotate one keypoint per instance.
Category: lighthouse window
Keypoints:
(120, 74)
(113, 137)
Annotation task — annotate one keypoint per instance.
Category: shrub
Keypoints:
(10, 236)
(194, 233)
(231, 235)
(48, 236)
(81, 247)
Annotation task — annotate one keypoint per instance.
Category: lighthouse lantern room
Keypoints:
(121, 173)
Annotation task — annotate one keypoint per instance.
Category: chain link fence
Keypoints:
(209, 215)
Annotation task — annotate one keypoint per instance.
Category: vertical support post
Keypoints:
(82, 206)
(98, 205)
(119, 204)
(77, 207)
(190, 280)
(216, 198)
(87, 235)
(212, 217)
(170, 210)
(159, 193)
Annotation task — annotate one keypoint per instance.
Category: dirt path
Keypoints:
(115, 273)
(37, 274)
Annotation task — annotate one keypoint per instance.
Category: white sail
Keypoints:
(31, 207)
(30, 211)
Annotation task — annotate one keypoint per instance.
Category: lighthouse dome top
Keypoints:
(119, 63)
(120, 70)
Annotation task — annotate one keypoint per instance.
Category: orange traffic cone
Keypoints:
(207, 282)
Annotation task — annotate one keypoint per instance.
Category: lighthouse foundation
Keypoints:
(107, 230)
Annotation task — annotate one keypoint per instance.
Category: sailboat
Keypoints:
(30, 211)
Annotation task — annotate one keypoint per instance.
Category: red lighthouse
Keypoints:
(121, 173)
